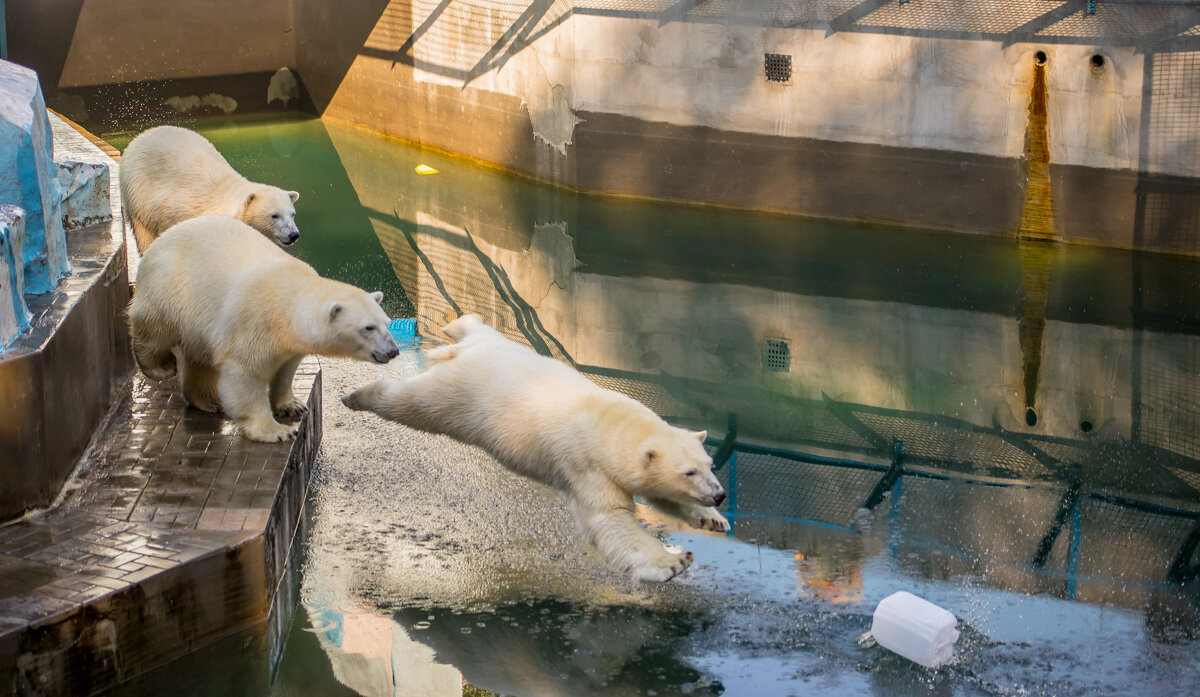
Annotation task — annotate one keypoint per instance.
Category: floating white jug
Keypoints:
(915, 628)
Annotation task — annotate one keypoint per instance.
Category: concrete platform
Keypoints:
(174, 533)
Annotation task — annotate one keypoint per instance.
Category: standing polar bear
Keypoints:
(170, 174)
(235, 315)
(542, 419)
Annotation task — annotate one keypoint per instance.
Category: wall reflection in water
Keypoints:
(1044, 399)
(1038, 369)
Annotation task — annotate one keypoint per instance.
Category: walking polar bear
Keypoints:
(234, 315)
(542, 419)
(170, 174)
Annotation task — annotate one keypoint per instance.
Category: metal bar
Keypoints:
(1068, 501)
(889, 478)
(1073, 549)
(725, 449)
(1145, 506)
(1180, 571)
(731, 494)
(733, 517)
(810, 459)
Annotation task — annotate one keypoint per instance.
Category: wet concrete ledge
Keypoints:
(172, 533)
(175, 532)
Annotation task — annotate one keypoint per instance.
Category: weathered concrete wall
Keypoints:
(73, 43)
(916, 113)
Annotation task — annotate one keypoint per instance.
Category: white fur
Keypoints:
(542, 419)
(170, 174)
(237, 314)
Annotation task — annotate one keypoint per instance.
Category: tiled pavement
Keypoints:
(174, 532)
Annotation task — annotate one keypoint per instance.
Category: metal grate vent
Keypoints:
(778, 67)
(777, 356)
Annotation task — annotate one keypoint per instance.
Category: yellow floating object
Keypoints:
(425, 169)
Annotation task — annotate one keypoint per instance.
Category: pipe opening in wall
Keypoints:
(1097, 61)
(1031, 417)
(1039, 58)
(777, 356)
(1085, 426)
(778, 67)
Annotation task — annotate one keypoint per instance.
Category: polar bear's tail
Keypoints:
(459, 328)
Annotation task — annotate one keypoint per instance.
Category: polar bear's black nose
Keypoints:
(293, 236)
(718, 498)
(393, 352)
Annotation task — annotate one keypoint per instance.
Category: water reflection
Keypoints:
(1020, 364)
(1046, 486)
(552, 648)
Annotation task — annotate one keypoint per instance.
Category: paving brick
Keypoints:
(170, 486)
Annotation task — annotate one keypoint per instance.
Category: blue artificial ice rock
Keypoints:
(29, 176)
(14, 313)
(84, 189)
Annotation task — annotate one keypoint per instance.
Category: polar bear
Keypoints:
(544, 420)
(234, 314)
(169, 174)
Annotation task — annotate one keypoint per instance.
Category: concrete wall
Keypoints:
(914, 113)
(76, 43)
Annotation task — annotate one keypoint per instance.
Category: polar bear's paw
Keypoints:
(291, 409)
(709, 519)
(665, 566)
(206, 403)
(277, 434)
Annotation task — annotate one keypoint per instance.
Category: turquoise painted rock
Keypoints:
(14, 314)
(84, 193)
(29, 176)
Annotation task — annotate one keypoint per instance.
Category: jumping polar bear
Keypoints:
(169, 174)
(235, 315)
(544, 420)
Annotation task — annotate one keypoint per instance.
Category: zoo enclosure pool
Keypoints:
(1084, 518)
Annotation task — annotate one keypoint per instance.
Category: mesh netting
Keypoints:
(770, 485)
(1119, 541)
(1170, 396)
(955, 447)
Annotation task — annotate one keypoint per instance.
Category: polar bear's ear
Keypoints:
(334, 310)
(249, 199)
(700, 435)
(293, 195)
(649, 455)
(377, 296)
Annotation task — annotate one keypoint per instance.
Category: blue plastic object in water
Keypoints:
(403, 329)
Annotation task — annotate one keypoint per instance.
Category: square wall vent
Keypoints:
(778, 68)
(777, 356)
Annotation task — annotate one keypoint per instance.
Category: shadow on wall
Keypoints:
(455, 44)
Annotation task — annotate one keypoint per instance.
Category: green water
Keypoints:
(1045, 400)
(296, 154)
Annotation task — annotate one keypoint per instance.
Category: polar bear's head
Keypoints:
(358, 327)
(675, 466)
(269, 210)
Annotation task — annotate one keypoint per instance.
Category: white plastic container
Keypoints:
(915, 628)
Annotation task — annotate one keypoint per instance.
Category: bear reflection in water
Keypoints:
(552, 648)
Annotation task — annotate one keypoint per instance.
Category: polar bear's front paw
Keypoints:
(709, 519)
(291, 409)
(665, 566)
(279, 433)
